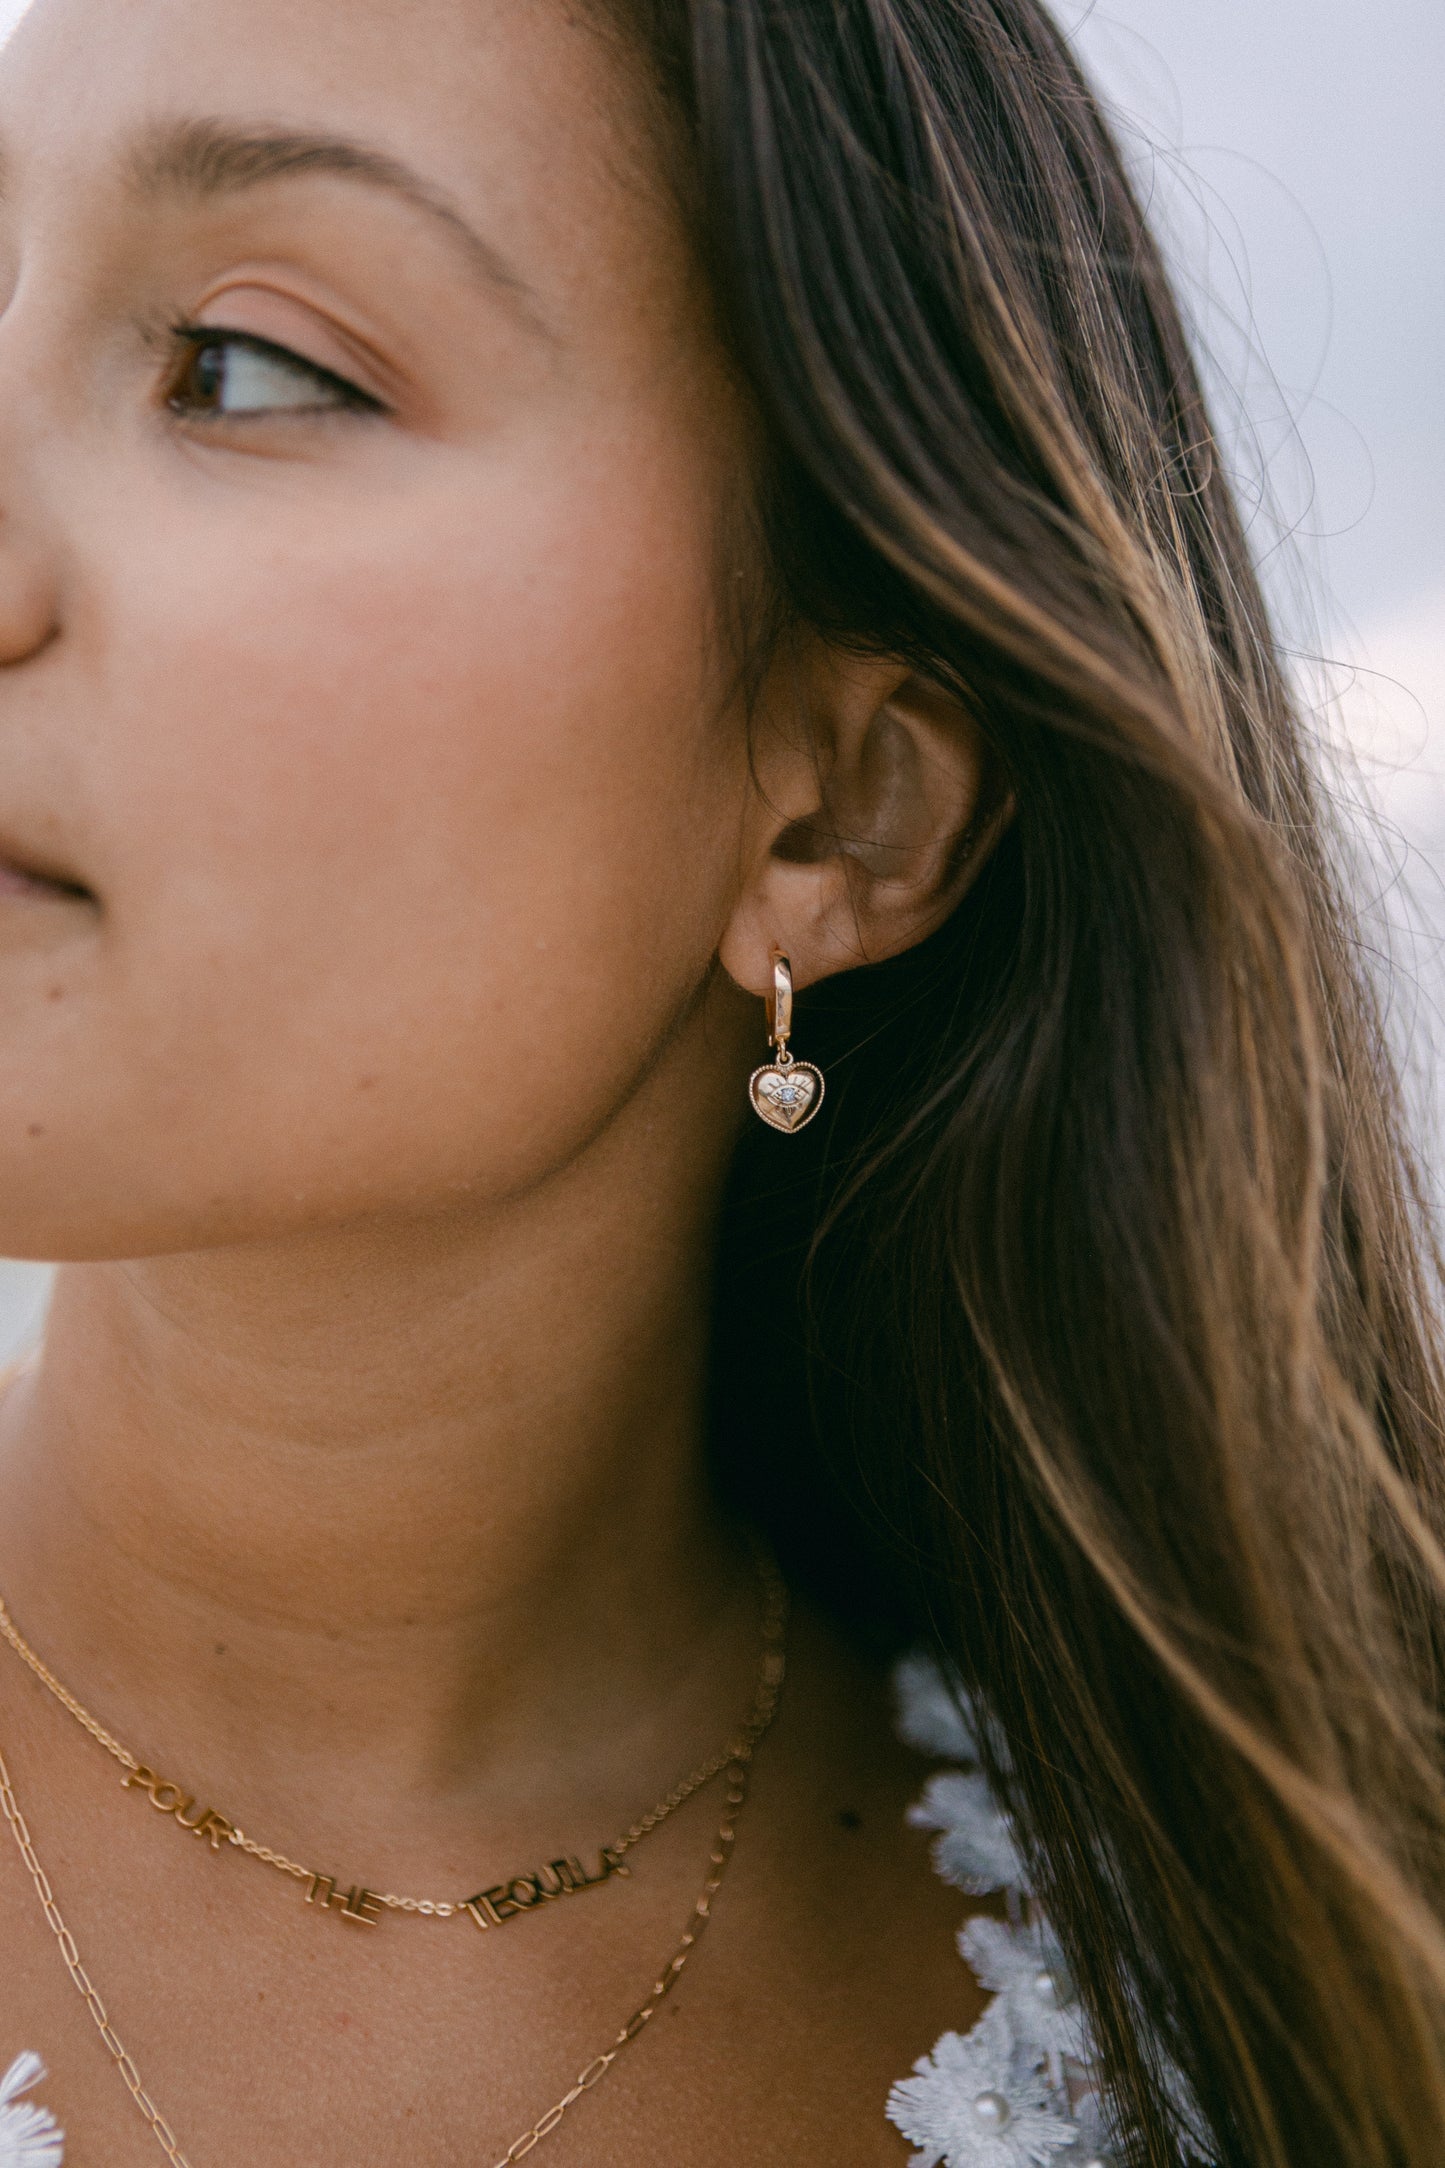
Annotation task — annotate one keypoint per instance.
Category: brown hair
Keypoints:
(1115, 1373)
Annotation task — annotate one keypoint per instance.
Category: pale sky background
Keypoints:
(1294, 151)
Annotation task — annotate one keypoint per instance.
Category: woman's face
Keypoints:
(364, 468)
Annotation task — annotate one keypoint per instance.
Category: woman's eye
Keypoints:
(234, 373)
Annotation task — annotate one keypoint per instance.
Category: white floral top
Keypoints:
(1015, 2092)
(29, 2138)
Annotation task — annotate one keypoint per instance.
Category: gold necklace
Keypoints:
(492, 1907)
(738, 1765)
(595, 2071)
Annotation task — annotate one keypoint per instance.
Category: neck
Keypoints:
(414, 1506)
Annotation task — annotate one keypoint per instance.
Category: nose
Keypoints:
(29, 592)
(27, 598)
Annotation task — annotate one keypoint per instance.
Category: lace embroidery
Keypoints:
(1016, 2091)
(29, 2136)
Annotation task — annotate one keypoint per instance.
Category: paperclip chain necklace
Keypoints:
(738, 1763)
(493, 1907)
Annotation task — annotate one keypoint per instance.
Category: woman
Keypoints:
(532, 533)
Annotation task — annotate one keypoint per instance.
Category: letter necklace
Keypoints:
(491, 1907)
(504, 1902)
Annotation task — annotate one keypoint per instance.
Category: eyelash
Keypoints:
(192, 341)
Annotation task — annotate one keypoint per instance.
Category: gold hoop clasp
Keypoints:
(780, 1007)
(785, 1093)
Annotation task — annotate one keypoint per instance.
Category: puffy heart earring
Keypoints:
(786, 1093)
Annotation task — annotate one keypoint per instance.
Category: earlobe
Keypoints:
(903, 804)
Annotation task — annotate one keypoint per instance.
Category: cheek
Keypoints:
(413, 843)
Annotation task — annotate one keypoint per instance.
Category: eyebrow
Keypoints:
(209, 158)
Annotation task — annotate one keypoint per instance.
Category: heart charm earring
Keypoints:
(786, 1093)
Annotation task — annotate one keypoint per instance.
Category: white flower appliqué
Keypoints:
(935, 1715)
(975, 2103)
(1024, 1967)
(975, 1848)
(29, 2136)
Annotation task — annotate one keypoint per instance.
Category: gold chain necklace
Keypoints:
(738, 1764)
(492, 1907)
(596, 2070)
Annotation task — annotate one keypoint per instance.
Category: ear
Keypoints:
(875, 805)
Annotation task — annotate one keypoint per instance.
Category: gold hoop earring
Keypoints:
(786, 1093)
